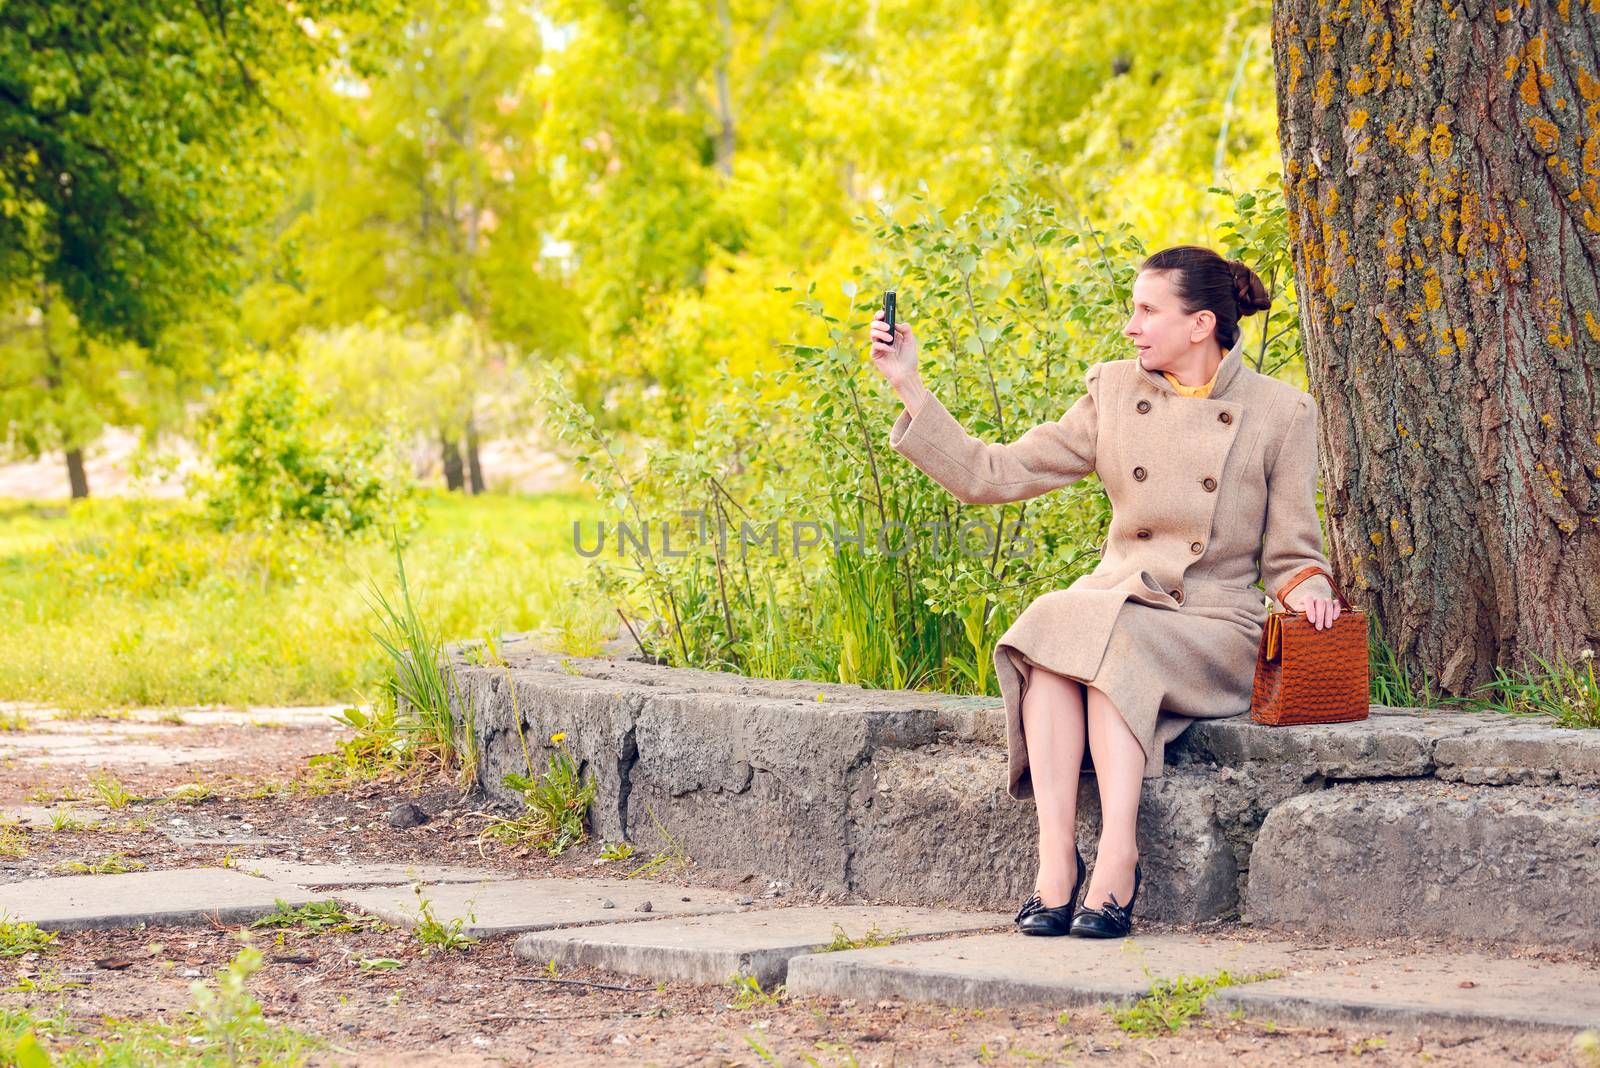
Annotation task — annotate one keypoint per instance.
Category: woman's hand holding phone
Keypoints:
(894, 356)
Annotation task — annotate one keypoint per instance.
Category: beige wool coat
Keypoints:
(1208, 496)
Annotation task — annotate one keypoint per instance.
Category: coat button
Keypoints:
(1226, 417)
(1138, 474)
(1195, 548)
(1143, 406)
(1210, 484)
(1177, 595)
(1143, 533)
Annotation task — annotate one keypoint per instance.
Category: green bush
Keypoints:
(1012, 302)
(277, 459)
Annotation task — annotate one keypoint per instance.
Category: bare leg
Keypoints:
(1053, 727)
(1119, 772)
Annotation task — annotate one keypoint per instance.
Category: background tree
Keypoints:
(1443, 179)
(421, 194)
(135, 152)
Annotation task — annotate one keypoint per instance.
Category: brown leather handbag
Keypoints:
(1306, 675)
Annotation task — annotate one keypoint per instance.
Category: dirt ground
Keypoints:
(482, 1006)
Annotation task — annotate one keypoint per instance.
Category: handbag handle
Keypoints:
(1303, 574)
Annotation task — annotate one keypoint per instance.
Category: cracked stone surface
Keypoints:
(1379, 857)
(842, 790)
(508, 906)
(710, 949)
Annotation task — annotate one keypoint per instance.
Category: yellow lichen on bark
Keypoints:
(1545, 133)
(1439, 144)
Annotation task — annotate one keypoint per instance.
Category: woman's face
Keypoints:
(1159, 329)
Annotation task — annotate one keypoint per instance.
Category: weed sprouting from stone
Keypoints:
(436, 935)
(1172, 1003)
(110, 864)
(747, 993)
(317, 917)
(872, 937)
(555, 806)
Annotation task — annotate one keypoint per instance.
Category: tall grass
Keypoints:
(420, 682)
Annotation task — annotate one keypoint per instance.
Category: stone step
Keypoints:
(712, 949)
(1517, 864)
(1276, 980)
(845, 790)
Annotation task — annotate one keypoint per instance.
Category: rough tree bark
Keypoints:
(1440, 167)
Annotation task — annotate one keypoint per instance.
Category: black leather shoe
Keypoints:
(1035, 919)
(1110, 920)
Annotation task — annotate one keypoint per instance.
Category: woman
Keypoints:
(1211, 469)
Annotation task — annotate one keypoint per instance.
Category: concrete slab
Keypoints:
(1015, 970)
(1431, 990)
(513, 905)
(179, 896)
(710, 949)
(339, 875)
(152, 756)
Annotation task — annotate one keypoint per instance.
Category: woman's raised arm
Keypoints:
(1044, 458)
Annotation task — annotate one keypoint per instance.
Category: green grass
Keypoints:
(871, 939)
(223, 1025)
(117, 603)
(318, 917)
(20, 937)
(1172, 1003)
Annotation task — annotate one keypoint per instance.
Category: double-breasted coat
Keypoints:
(1208, 496)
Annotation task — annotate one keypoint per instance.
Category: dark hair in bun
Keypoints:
(1203, 280)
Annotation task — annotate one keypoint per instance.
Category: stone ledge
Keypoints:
(898, 796)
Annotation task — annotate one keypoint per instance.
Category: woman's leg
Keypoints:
(1119, 772)
(1053, 727)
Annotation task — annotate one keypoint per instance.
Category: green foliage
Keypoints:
(1172, 1003)
(872, 938)
(136, 145)
(416, 694)
(555, 806)
(110, 790)
(435, 935)
(317, 917)
(616, 851)
(277, 459)
(747, 994)
(110, 864)
(19, 937)
(126, 603)
(1009, 287)
(1562, 689)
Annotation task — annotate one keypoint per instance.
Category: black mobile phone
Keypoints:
(888, 312)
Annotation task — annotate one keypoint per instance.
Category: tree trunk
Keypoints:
(451, 455)
(474, 468)
(1440, 171)
(77, 477)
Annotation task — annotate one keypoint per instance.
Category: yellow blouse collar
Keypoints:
(1192, 391)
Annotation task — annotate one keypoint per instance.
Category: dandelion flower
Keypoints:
(558, 737)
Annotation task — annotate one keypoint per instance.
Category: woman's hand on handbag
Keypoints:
(1321, 611)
